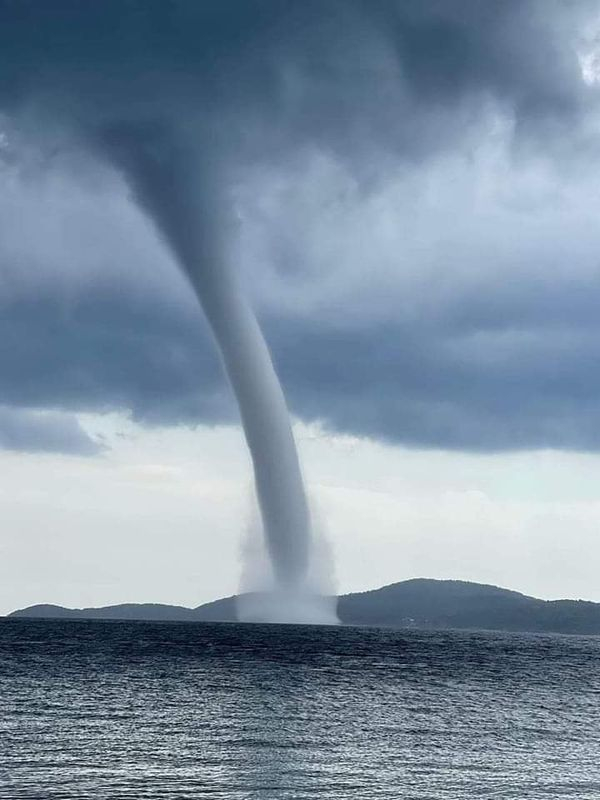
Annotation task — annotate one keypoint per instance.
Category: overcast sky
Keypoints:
(412, 193)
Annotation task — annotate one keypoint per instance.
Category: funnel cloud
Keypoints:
(181, 193)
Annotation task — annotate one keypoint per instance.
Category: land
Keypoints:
(417, 603)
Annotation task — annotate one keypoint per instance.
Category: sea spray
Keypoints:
(261, 599)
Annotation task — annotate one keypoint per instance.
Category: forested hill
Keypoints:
(417, 603)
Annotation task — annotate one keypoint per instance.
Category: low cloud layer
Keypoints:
(413, 194)
(44, 432)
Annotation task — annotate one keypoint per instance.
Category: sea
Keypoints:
(113, 711)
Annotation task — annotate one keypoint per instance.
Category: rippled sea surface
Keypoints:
(142, 710)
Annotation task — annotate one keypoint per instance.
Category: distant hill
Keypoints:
(418, 603)
(217, 611)
(457, 604)
(126, 611)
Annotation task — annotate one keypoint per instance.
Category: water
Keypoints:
(119, 710)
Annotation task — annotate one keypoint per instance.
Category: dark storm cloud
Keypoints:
(522, 378)
(103, 354)
(512, 389)
(347, 74)
(34, 432)
(499, 363)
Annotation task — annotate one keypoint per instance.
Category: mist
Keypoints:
(262, 598)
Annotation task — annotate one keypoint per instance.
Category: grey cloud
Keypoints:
(345, 75)
(516, 379)
(107, 353)
(472, 325)
(517, 389)
(37, 431)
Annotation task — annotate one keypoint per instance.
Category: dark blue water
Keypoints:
(119, 710)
